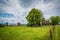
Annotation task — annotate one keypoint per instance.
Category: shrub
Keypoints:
(1, 25)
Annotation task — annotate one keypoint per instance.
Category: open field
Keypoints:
(24, 33)
(57, 33)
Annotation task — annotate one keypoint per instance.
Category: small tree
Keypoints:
(18, 24)
(34, 17)
(43, 21)
(7, 24)
(47, 22)
(55, 20)
(1, 25)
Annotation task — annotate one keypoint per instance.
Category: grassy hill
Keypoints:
(24, 33)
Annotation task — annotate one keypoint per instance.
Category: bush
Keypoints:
(1, 25)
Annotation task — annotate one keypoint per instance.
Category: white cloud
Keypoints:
(48, 9)
(14, 7)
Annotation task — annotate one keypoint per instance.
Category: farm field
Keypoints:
(57, 33)
(25, 33)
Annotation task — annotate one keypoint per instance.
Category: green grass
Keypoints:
(24, 33)
(56, 33)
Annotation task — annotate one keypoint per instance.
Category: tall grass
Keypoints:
(24, 33)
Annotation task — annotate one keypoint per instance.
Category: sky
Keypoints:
(13, 11)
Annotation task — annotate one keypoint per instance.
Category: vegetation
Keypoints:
(24, 33)
(34, 17)
(55, 20)
(1, 25)
(56, 35)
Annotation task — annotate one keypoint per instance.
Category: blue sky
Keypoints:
(14, 11)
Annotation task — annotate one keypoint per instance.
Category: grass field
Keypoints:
(24, 33)
(57, 33)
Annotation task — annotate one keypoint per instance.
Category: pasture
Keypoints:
(25, 33)
(56, 35)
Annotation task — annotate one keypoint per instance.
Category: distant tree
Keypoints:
(55, 20)
(1, 25)
(47, 22)
(6, 23)
(43, 21)
(34, 17)
(18, 24)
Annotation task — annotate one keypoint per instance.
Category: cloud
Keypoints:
(28, 3)
(49, 8)
(14, 8)
(21, 8)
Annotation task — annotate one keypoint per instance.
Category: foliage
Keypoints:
(18, 24)
(43, 21)
(1, 25)
(34, 17)
(55, 20)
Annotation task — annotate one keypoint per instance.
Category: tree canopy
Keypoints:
(55, 20)
(34, 17)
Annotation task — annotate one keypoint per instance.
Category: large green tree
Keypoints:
(34, 17)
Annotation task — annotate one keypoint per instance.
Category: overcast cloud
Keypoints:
(19, 9)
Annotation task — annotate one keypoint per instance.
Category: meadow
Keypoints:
(56, 35)
(25, 33)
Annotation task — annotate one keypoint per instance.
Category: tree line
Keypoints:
(36, 18)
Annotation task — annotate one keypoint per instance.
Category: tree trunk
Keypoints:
(53, 28)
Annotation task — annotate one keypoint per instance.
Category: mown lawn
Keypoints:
(24, 33)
